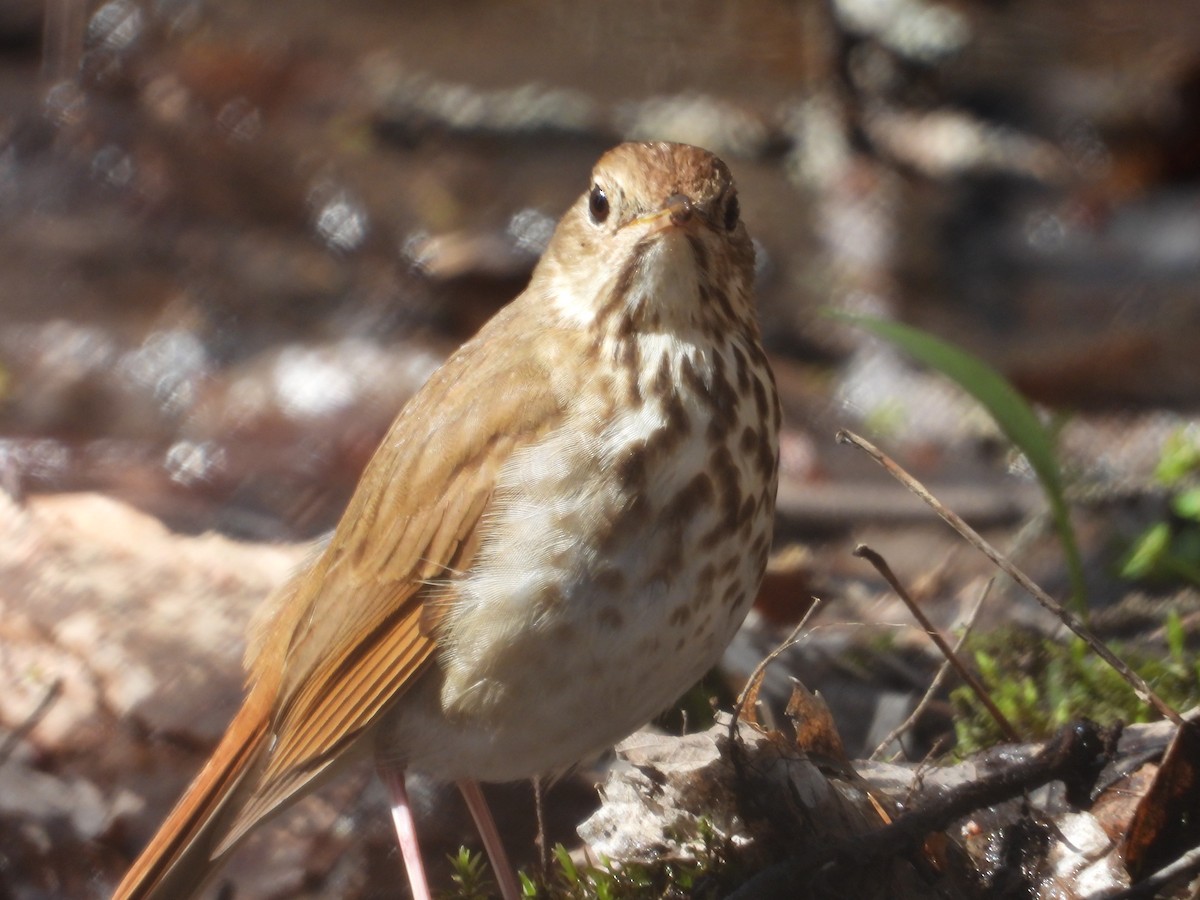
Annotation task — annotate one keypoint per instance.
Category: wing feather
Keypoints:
(355, 632)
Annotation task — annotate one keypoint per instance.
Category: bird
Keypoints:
(559, 534)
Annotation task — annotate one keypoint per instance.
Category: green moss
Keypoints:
(470, 876)
(1041, 684)
(714, 873)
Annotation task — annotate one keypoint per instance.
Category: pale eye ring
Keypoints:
(598, 204)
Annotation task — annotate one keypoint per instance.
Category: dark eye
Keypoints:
(732, 211)
(598, 204)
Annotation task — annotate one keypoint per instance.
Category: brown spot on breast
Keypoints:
(732, 595)
(649, 644)
(628, 350)
(672, 432)
(759, 546)
(610, 617)
(757, 356)
(564, 633)
(746, 515)
(749, 441)
(679, 616)
(550, 595)
(608, 537)
(697, 493)
(723, 399)
(766, 459)
(610, 579)
(620, 298)
(630, 468)
(716, 302)
(743, 369)
(635, 391)
(703, 591)
(728, 483)
(766, 398)
(691, 378)
(662, 376)
(626, 353)
(669, 563)
(676, 414)
(760, 400)
(699, 253)
(591, 350)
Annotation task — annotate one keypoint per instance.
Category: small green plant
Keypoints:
(713, 874)
(469, 872)
(1041, 683)
(1169, 551)
(1011, 412)
(604, 882)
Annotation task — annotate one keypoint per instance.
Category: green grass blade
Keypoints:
(1006, 406)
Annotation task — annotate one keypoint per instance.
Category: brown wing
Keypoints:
(351, 638)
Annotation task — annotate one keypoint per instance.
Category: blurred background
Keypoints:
(235, 237)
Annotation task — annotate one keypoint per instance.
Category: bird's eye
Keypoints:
(732, 211)
(598, 204)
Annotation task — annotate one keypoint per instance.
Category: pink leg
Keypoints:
(501, 867)
(406, 832)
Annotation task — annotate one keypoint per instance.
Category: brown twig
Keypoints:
(754, 682)
(21, 731)
(1075, 756)
(1143, 690)
(749, 694)
(939, 679)
(1185, 866)
(539, 806)
(881, 566)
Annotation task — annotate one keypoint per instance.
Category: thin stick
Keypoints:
(539, 806)
(502, 869)
(864, 552)
(756, 677)
(939, 679)
(22, 731)
(1186, 865)
(1143, 690)
(1075, 756)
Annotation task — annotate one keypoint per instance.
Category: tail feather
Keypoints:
(187, 850)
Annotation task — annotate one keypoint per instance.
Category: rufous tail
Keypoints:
(180, 858)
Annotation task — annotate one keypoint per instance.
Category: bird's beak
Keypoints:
(677, 211)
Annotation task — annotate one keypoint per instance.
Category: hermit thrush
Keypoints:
(560, 533)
